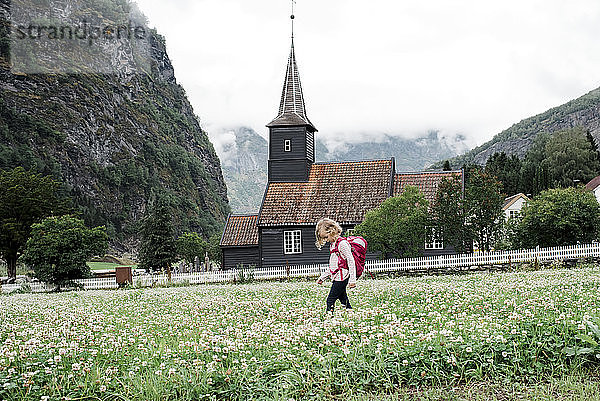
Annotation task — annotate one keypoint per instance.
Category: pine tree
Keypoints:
(592, 141)
(534, 176)
(158, 249)
(507, 169)
(447, 166)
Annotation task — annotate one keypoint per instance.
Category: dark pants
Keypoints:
(338, 291)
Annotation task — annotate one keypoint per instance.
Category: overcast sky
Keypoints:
(471, 67)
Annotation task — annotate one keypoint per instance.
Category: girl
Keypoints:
(328, 230)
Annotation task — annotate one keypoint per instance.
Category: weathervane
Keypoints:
(292, 17)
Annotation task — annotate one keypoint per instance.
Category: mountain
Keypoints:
(244, 156)
(583, 111)
(119, 133)
(412, 154)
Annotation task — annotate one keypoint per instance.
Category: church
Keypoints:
(300, 191)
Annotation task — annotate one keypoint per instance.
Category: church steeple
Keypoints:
(292, 109)
(291, 134)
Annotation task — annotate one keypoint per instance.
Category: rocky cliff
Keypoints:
(581, 112)
(244, 156)
(117, 139)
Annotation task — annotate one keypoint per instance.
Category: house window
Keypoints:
(513, 214)
(292, 242)
(287, 145)
(432, 240)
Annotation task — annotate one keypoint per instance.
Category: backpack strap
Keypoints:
(342, 264)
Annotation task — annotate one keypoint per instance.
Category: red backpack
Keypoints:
(358, 251)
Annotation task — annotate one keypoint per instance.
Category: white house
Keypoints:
(594, 186)
(513, 205)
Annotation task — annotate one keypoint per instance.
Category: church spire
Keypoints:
(292, 110)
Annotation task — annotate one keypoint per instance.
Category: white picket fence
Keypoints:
(373, 266)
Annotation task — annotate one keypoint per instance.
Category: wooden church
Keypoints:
(299, 192)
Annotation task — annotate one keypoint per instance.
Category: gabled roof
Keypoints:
(292, 110)
(343, 192)
(508, 202)
(593, 184)
(427, 182)
(240, 230)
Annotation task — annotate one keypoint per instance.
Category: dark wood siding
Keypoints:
(288, 170)
(277, 138)
(271, 239)
(448, 250)
(240, 256)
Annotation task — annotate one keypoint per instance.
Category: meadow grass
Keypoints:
(467, 337)
(103, 265)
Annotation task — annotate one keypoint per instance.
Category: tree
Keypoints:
(215, 253)
(507, 169)
(448, 215)
(190, 246)
(534, 171)
(570, 157)
(483, 208)
(593, 143)
(158, 249)
(561, 216)
(447, 166)
(59, 247)
(25, 198)
(397, 227)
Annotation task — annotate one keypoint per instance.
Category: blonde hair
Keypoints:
(325, 227)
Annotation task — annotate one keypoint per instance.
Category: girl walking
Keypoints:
(342, 274)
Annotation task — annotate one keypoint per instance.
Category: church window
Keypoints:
(292, 242)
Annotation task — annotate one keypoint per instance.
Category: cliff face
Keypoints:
(244, 155)
(581, 112)
(117, 140)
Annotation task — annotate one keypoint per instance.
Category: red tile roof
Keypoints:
(593, 184)
(343, 192)
(427, 182)
(240, 231)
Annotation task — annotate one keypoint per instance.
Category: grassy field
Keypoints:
(93, 265)
(483, 336)
(103, 265)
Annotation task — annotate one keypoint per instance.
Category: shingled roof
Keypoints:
(292, 110)
(240, 231)
(343, 192)
(427, 182)
(593, 184)
(512, 199)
